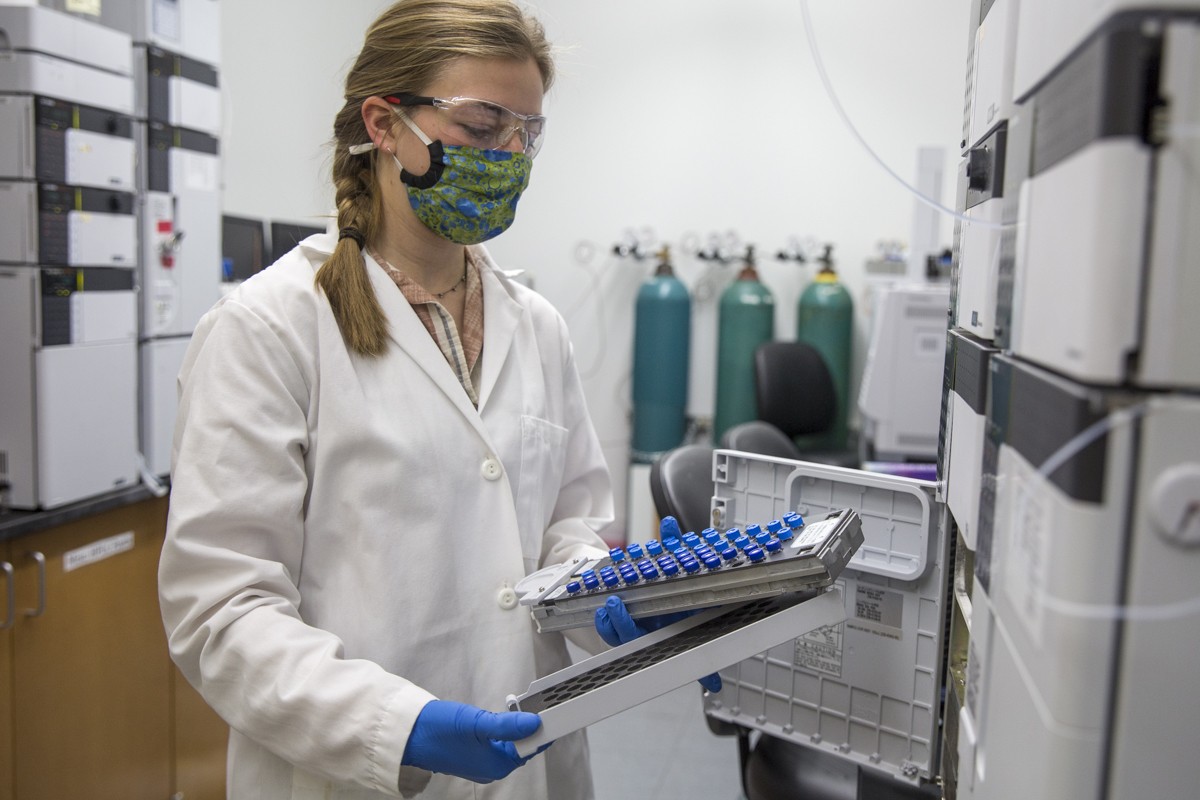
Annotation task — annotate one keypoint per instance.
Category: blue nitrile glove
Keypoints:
(466, 741)
(616, 627)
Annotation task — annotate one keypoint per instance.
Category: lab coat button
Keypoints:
(507, 599)
(491, 469)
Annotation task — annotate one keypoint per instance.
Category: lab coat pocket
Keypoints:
(543, 453)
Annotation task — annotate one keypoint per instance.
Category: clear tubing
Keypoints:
(1089, 611)
(829, 90)
(1096, 611)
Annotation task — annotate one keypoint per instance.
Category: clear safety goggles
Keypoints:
(481, 123)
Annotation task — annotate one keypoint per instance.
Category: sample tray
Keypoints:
(666, 659)
(700, 570)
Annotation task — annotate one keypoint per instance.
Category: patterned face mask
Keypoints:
(468, 195)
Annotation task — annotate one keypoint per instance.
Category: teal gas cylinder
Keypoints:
(661, 344)
(825, 320)
(746, 319)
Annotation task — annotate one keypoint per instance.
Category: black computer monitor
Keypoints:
(286, 235)
(243, 247)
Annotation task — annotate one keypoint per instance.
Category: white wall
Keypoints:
(687, 117)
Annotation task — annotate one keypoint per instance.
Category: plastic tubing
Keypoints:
(1072, 608)
(841, 112)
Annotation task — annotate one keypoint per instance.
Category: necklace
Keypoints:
(460, 282)
(437, 295)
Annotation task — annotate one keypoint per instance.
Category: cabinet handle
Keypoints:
(8, 579)
(41, 562)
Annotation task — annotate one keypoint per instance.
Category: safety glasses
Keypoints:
(481, 123)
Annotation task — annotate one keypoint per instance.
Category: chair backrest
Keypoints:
(681, 484)
(758, 436)
(794, 388)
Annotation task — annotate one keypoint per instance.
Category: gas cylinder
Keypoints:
(661, 343)
(825, 320)
(746, 319)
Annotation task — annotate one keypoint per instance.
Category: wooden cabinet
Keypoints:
(7, 607)
(90, 673)
(90, 703)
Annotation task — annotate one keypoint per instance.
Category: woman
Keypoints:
(378, 437)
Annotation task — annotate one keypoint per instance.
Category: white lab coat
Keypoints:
(345, 532)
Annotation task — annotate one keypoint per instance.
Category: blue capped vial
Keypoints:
(590, 580)
(712, 537)
(669, 568)
(691, 540)
(609, 577)
(793, 520)
(755, 553)
(670, 543)
(741, 543)
(753, 530)
(729, 553)
(573, 587)
(681, 553)
(635, 550)
(631, 577)
(648, 570)
(690, 565)
(785, 533)
(617, 555)
(733, 533)
(669, 526)
(772, 546)
(704, 533)
(654, 548)
(762, 538)
(713, 561)
(774, 525)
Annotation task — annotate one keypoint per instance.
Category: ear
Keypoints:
(379, 119)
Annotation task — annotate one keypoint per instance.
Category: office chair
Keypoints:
(761, 437)
(681, 485)
(794, 392)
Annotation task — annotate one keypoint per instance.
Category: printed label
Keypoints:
(821, 650)
(879, 605)
(814, 534)
(97, 551)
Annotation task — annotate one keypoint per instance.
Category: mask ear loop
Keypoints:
(437, 159)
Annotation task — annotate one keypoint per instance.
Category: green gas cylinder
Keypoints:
(825, 320)
(746, 319)
(661, 345)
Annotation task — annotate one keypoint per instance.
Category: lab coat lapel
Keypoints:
(409, 334)
(501, 317)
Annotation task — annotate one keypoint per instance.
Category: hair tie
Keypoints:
(352, 233)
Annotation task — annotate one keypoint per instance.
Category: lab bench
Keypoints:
(90, 703)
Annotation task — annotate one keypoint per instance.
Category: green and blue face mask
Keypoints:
(467, 195)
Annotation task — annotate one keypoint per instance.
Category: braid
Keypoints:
(343, 277)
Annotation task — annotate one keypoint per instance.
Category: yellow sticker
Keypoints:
(84, 7)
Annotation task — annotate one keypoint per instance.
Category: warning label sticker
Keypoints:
(821, 650)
